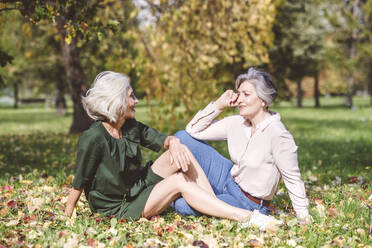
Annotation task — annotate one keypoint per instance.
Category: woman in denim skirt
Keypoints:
(261, 149)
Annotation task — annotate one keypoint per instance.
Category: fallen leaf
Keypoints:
(361, 231)
(255, 243)
(318, 201)
(352, 179)
(26, 182)
(188, 227)
(92, 242)
(313, 178)
(99, 220)
(291, 242)
(338, 241)
(4, 211)
(209, 240)
(12, 204)
(27, 219)
(358, 180)
(200, 244)
(48, 216)
(332, 212)
(321, 210)
(72, 242)
(62, 233)
(154, 242)
(6, 188)
(12, 223)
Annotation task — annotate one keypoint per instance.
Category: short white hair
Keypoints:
(263, 81)
(106, 100)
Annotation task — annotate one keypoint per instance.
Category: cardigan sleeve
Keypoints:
(285, 156)
(88, 158)
(151, 138)
(204, 127)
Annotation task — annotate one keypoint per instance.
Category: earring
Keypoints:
(263, 104)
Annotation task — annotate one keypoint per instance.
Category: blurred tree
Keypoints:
(15, 73)
(5, 58)
(365, 55)
(120, 50)
(299, 46)
(196, 49)
(38, 65)
(114, 20)
(352, 33)
(73, 19)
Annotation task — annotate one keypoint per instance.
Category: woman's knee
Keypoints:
(193, 144)
(179, 181)
(182, 135)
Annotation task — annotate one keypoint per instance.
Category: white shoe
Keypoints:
(262, 221)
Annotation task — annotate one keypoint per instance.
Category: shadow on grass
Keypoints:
(28, 116)
(51, 153)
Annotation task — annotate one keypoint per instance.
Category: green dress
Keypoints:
(110, 171)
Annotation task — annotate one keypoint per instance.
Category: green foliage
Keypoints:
(37, 162)
(196, 48)
(5, 58)
(37, 66)
(73, 20)
(299, 47)
(350, 50)
(75, 13)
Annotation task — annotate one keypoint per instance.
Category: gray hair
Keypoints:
(263, 81)
(106, 100)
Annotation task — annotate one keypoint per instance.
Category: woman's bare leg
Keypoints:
(163, 167)
(179, 184)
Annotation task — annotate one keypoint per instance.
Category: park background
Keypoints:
(180, 55)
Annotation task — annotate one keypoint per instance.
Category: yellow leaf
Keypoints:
(26, 181)
(68, 39)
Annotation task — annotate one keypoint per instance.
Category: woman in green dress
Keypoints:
(109, 162)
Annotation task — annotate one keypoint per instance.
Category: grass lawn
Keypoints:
(36, 169)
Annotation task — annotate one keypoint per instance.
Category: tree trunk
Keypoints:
(370, 87)
(60, 103)
(299, 93)
(352, 52)
(15, 91)
(316, 90)
(349, 94)
(76, 80)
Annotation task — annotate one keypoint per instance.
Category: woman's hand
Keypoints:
(305, 220)
(73, 197)
(227, 99)
(179, 153)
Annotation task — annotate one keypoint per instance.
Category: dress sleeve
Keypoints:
(285, 156)
(89, 154)
(151, 138)
(204, 127)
